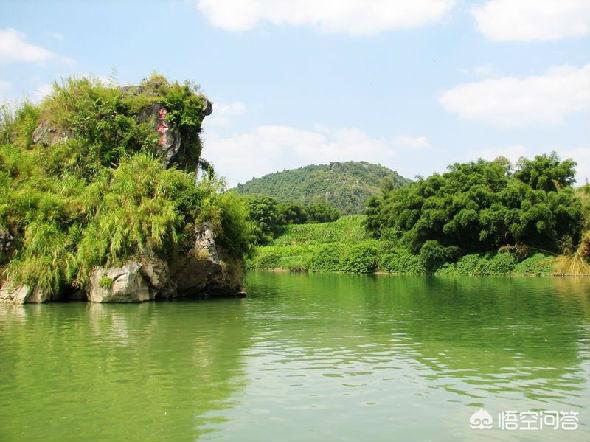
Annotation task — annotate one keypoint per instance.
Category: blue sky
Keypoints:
(411, 85)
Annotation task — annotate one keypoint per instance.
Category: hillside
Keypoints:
(346, 186)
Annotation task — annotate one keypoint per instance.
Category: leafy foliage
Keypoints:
(345, 186)
(481, 206)
(344, 246)
(269, 218)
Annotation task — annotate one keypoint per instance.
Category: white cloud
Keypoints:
(14, 48)
(41, 92)
(224, 112)
(266, 149)
(409, 142)
(347, 16)
(533, 20)
(513, 101)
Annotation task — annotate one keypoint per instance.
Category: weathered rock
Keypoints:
(10, 294)
(170, 142)
(202, 272)
(119, 284)
(197, 277)
(157, 274)
(23, 294)
(5, 241)
(47, 135)
(205, 247)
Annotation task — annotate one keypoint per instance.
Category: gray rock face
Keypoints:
(205, 247)
(47, 135)
(202, 272)
(199, 273)
(119, 284)
(170, 141)
(14, 295)
(22, 294)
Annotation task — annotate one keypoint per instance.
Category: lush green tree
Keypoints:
(546, 172)
(480, 206)
(270, 217)
(321, 213)
(292, 213)
(264, 212)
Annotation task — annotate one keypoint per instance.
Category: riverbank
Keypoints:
(344, 246)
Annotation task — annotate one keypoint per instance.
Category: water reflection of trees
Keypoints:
(470, 336)
(120, 372)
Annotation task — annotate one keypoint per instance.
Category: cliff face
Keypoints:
(156, 235)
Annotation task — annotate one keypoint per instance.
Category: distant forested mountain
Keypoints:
(346, 186)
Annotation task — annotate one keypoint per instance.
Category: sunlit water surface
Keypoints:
(303, 358)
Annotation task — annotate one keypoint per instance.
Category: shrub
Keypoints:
(106, 282)
(327, 258)
(360, 258)
(502, 263)
(433, 255)
(401, 261)
(537, 264)
(265, 260)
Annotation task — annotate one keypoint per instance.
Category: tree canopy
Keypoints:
(482, 206)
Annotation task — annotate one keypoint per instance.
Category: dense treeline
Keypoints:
(269, 217)
(345, 186)
(482, 206)
(84, 182)
(479, 218)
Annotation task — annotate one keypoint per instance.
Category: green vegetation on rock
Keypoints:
(95, 175)
(345, 186)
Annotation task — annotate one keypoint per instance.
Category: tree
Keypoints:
(264, 211)
(546, 172)
(481, 206)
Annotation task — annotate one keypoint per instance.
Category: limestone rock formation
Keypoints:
(47, 135)
(21, 294)
(170, 141)
(171, 148)
(119, 284)
(199, 273)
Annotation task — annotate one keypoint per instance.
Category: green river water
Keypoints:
(303, 358)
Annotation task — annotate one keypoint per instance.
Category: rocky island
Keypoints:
(101, 198)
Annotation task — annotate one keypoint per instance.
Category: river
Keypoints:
(306, 358)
